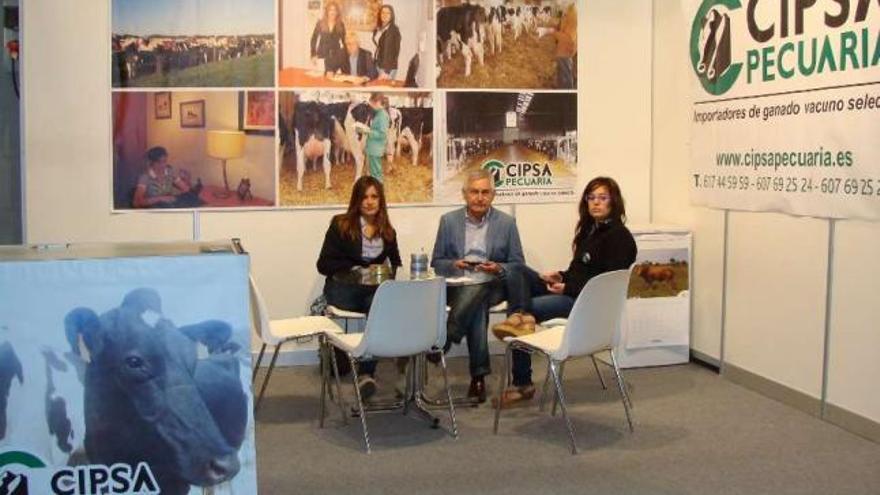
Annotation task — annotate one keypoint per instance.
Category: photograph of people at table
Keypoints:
(519, 44)
(328, 139)
(476, 247)
(349, 43)
(602, 243)
(357, 241)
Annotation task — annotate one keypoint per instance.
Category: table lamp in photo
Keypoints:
(225, 145)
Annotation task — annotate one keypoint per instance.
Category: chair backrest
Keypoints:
(594, 321)
(406, 317)
(260, 315)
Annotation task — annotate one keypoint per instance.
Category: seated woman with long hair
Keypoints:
(601, 244)
(358, 238)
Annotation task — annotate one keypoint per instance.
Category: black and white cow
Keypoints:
(149, 397)
(313, 134)
(10, 369)
(495, 28)
(347, 142)
(131, 388)
(414, 124)
(462, 25)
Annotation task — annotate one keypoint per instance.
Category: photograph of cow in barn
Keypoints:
(350, 43)
(156, 378)
(521, 44)
(178, 43)
(225, 161)
(324, 149)
(528, 141)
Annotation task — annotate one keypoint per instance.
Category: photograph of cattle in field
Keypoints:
(217, 162)
(660, 273)
(327, 139)
(527, 140)
(180, 43)
(517, 44)
(351, 43)
(128, 375)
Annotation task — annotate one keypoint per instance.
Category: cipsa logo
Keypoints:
(778, 40)
(710, 46)
(22, 473)
(519, 174)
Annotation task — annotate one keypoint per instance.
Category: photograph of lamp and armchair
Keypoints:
(183, 149)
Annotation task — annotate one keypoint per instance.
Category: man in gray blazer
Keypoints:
(481, 242)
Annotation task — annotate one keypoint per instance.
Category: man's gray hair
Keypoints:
(478, 174)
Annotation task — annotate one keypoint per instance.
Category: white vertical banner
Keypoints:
(785, 112)
(126, 376)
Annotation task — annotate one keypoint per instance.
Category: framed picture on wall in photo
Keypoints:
(162, 105)
(192, 113)
(256, 112)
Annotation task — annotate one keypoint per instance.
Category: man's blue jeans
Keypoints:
(469, 318)
(527, 293)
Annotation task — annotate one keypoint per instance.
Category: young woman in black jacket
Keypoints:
(601, 244)
(386, 37)
(356, 239)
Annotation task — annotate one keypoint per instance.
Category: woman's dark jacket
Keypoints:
(339, 253)
(606, 247)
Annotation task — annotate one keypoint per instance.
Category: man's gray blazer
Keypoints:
(502, 241)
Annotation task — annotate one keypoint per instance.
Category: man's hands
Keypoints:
(486, 266)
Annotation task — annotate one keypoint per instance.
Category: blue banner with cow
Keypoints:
(126, 375)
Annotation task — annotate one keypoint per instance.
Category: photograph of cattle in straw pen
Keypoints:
(341, 43)
(524, 44)
(660, 273)
(136, 376)
(517, 129)
(327, 137)
(180, 43)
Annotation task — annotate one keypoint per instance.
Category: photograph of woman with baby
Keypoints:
(350, 43)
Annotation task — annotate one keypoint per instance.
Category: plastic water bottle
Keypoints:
(418, 265)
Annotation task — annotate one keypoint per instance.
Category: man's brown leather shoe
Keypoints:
(477, 389)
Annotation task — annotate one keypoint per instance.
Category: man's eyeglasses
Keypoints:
(598, 197)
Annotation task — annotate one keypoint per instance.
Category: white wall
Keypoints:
(775, 292)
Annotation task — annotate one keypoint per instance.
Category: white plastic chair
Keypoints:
(406, 319)
(279, 332)
(593, 326)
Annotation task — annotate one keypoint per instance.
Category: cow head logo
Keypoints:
(12, 464)
(495, 166)
(710, 46)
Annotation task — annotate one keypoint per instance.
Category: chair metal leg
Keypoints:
(266, 380)
(331, 351)
(598, 373)
(556, 397)
(503, 381)
(561, 396)
(322, 358)
(448, 395)
(409, 377)
(360, 402)
(545, 389)
(257, 365)
(623, 395)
